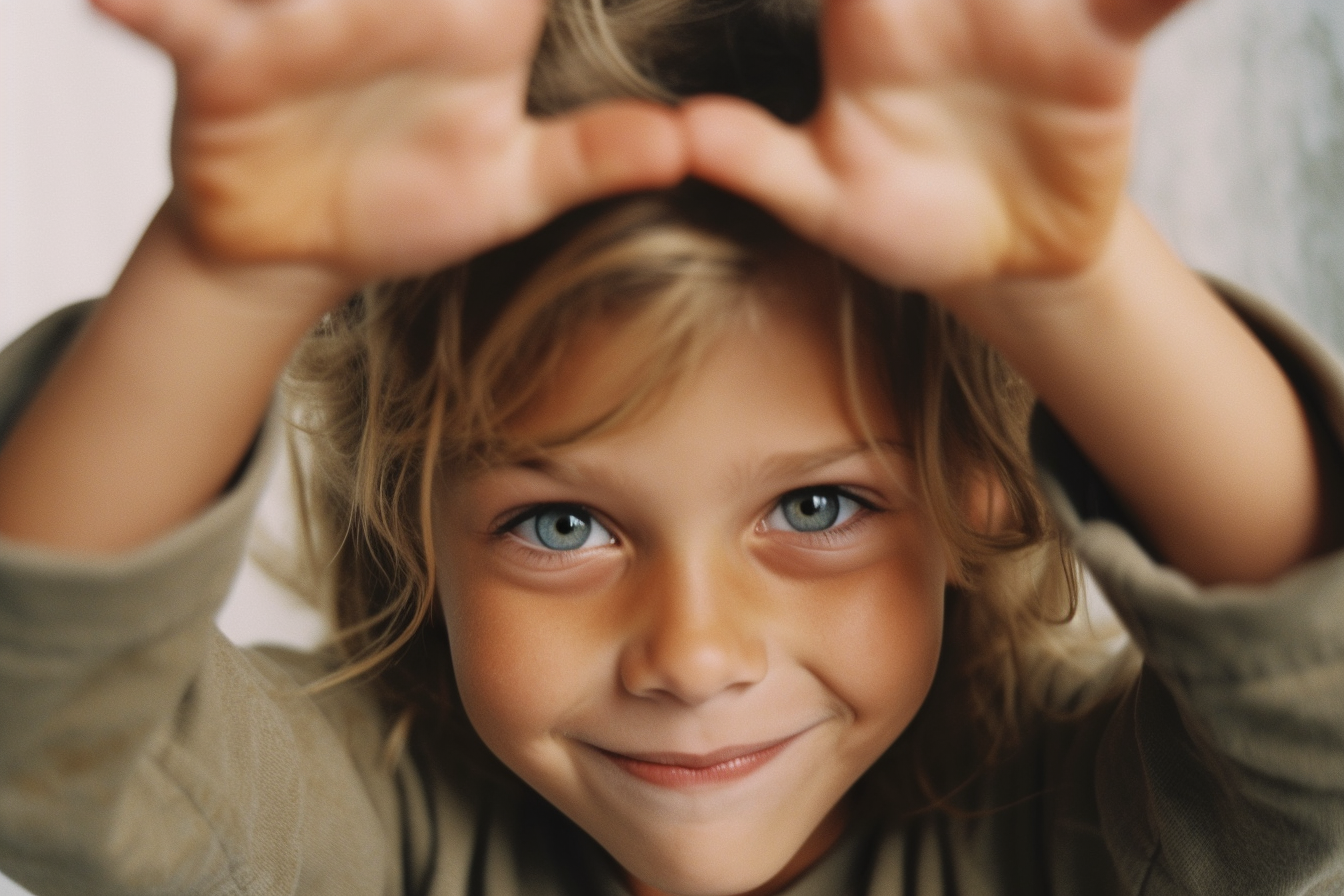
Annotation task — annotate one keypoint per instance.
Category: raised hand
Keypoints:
(957, 141)
(379, 137)
(977, 150)
(317, 144)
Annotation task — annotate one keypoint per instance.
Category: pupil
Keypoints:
(562, 529)
(812, 510)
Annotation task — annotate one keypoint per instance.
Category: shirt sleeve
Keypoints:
(140, 751)
(1222, 768)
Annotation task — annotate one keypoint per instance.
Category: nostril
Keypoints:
(692, 667)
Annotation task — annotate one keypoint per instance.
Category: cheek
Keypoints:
(521, 664)
(874, 635)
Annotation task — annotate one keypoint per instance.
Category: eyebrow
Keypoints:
(776, 466)
(802, 462)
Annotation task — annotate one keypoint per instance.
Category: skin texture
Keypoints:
(974, 149)
(978, 150)
(315, 146)
(955, 143)
(705, 622)
(353, 133)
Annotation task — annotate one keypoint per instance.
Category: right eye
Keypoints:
(816, 508)
(560, 527)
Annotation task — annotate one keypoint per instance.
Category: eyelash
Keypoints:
(505, 535)
(825, 537)
(835, 535)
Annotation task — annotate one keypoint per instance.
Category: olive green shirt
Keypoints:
(142, 753)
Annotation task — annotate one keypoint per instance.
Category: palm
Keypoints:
(379, 136)
(956, 142)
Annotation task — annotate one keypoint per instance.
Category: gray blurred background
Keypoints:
(1240, 155)
(1240, 162)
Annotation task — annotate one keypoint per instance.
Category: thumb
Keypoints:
(181, 29)
(607, 148)
(740, 147)
(1133, 19)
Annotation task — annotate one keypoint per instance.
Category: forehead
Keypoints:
(772, 370)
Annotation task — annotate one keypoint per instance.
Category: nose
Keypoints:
(697, 636)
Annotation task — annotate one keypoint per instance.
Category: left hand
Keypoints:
(957, 142)
(373, 139)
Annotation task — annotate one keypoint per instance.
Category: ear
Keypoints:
(984, 505)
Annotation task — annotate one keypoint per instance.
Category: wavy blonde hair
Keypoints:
(414, 381)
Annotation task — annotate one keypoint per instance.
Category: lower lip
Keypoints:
(682, 776)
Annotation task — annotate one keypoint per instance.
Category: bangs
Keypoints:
(424, 380)
(658, 280)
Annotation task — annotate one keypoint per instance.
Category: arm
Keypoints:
(149, 413)
(315, 146)
(1175, 401)
(1220, 769)
(124, 712)
(977, 150)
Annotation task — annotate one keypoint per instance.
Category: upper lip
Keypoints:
(700, 760)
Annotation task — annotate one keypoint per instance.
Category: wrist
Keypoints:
(289, 295)
(1022, 316)
(1173, 400)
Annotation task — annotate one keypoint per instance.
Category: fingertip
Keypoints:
(721, 130)
(742, 148)
(614, 147)
(730, 139)
(1133, 19)
(136, 15)
(654, 141)
(182, 28)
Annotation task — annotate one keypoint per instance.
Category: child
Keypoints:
(661, 515)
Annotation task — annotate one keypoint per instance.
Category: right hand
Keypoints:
(958, 144)
(378, 138)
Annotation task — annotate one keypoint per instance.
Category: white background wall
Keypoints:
(83, 153)
(1240, 162)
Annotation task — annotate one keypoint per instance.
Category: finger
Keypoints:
(182, 29)
(608, 148)
(742, 148)
(1132, 19)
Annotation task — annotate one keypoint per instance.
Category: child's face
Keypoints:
(693, 634)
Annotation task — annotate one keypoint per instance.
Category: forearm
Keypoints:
(1177, 404)
(147, 416)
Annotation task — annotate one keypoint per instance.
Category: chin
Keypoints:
(701, 862)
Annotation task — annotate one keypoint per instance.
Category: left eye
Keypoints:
(562, 527)
(813, 509)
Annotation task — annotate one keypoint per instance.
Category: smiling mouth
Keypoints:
(681, 770)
